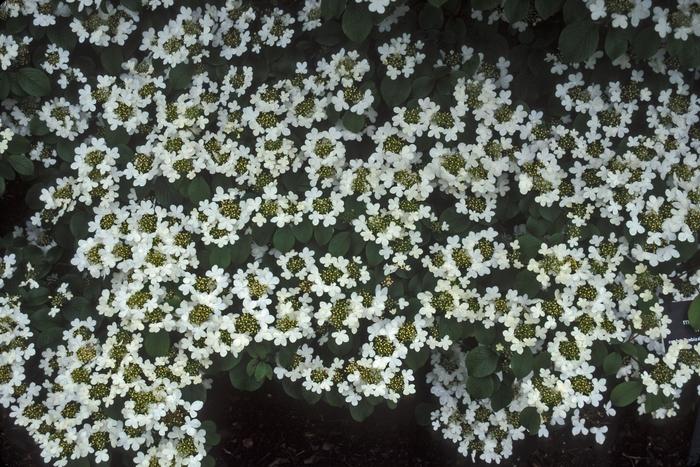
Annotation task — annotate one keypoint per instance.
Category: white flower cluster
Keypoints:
(232, 207)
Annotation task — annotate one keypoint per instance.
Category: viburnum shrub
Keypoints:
(352, 198)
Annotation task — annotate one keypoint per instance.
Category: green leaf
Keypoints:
(354, 122)
(63, 36)
(521, 363)
(79, 224)
(646, 43)
(38, 127)
(332, 8)
(241, 250)
(654, 402)
(49, 336)
(303, 231)
(2, 186)
(241, 380)
(415, 360)
(357, 22)
(485, 4)
(612, 363)
(21, 164)
(283, 240)
(395, 91)
(361, 411)
(157, 344)
(547, 8)
(502, 397)
(4, 85)
(220, 256)
(529, 245)
(515, 10)
(694, 313)
(626, 393)
(198, 190)
(437, 3)
(18, 145)
(538, 227)
(480, 388)
(329, 34)
(372, 254)
(615, 42)
(111, 59)
(422, 86)
(322, 234)
(263, 371)
(220, 364)
(34, 81)
(530, 419)
(481, 361)
(180, 76)
(456, 222)
(578, 41)
(526, 282)
(430, 17)
(66, 149)
(340, 244)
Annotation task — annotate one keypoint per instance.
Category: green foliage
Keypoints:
(626, 393)
(578, 40)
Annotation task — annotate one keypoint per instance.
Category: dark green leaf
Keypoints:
(361, 411)
(646, 43)
(322, 234)
(395, 91)
(694, 313)
(241, 380)
(485, 4)
(422, 86)
(578, 41)
(303, 231)
(530, 419)
(372, 254)
(430, 17)
(34, 82)
(515, 10)
(111, 59)
(353, 122)
(157, 344)
(626, 393)
(521, 363)
(502, 397)
(180, 76)
(21, 164)
(615, 42)
(612, 363)
(4, 85)
(481, 361)
(332, 8)
(220, 256)
(283, 240)
(547, 8)
(529, 245)
(198, 189)
(241, 250)
(480, 388)
(357, 22)
(340, 244)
